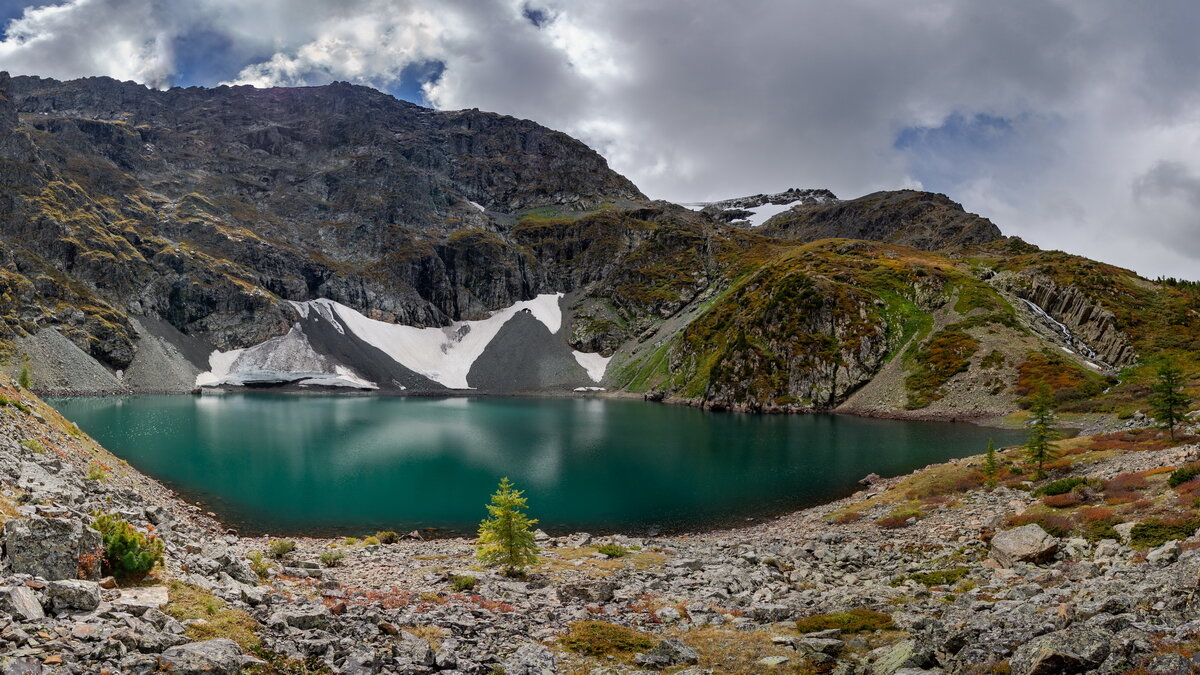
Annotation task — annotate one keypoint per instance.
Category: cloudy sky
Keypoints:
(1075, 125)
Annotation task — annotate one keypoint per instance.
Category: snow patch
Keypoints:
(588, 389)
(444, 355)
(288, 358)
(594, 364)
(764, 212)
(476, 205)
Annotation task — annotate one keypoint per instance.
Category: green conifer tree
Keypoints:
(1168, 402)
(1039, 448)
(24, 380)
(991, 466)
(505, 539)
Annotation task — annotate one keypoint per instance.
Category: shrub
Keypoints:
(387, 537)
(259, 564)
(1123, 488)
(601, 638)
(281, 547)
(1096, 514)
(613, 550)
(940, 577)
(847, 518)
(96, 472)
(899, 518)
(1184, 474)
(1155, 532)
(1062, 501)
(24, 380)
(35, 446)
(854, 621)
(371, 541)
(350, 541)
(462, 584)
(331, 558)
(1059, 526)
(128, 554)
(1060, 487)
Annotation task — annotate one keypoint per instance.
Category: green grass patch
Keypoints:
(601, 638)
(853, 621)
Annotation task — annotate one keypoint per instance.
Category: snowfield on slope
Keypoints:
(443, 354)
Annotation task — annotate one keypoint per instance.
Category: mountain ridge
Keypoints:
(142, 226)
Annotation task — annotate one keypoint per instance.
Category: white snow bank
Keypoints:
(288, 358)
(764, 212)
(476, 205)
(594, 364)
(588, 389)
(444, 355)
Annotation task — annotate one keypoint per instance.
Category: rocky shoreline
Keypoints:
(930, 572)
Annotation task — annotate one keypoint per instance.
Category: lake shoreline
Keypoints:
(997, 421)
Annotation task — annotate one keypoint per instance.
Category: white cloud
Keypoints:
(709, 100)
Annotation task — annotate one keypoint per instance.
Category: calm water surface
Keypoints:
(354, 464)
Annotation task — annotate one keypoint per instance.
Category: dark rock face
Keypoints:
(921, 220)
(208, 207)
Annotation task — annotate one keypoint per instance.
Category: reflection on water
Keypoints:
(353, 464)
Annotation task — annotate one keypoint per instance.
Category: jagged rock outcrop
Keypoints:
(1089, 322)
(922, 220)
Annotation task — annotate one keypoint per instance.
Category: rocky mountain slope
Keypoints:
(334, 237)
(1093, 570)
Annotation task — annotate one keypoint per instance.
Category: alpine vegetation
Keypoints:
(505, 537)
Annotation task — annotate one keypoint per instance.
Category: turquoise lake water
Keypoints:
(351, 465)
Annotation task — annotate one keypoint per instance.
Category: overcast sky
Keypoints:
(1075, 125)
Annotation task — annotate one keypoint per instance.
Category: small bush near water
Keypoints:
(332, 558)
(282, 547)
(613, 550)
(387, 537)
(128, 554)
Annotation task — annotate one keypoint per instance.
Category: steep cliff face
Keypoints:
(922, 220)
(1091, 329)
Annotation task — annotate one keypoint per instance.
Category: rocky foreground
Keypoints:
(932, 572)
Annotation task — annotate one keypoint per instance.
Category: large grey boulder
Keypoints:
(668, 653)
(21, 602)
(74, 594)
(587, 591)
(1028, 543)
(1078, 649)
(531, 659)
(52, 548)
(211, 657)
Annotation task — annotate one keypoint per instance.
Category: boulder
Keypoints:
(668, 653)
(587, 591)
(21, 602)
(52, 548)
(221, 656)
(74, 594)
(1078, 649)
(304, 618)
(1028, 543)
(531, 659)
